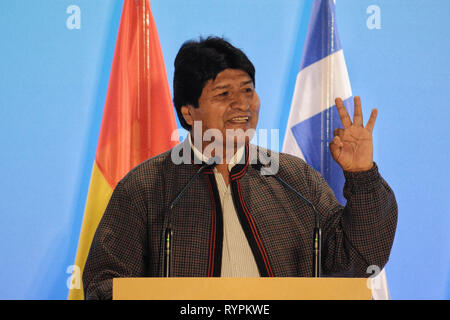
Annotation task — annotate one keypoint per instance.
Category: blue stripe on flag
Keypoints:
(320, 44)
(313, 136)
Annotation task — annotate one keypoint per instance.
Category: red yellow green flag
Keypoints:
(138, 119)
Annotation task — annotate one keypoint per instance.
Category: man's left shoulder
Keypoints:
(283, 163)
(265, 154)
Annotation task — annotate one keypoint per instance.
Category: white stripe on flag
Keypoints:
(317, 86)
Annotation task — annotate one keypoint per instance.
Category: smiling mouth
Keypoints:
(239, 119)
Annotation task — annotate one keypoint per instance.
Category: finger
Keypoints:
(358, 117)
(371, 123)
(343, 114)
(338, 132)
(336, 147)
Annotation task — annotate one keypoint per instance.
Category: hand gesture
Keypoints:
(352, 147)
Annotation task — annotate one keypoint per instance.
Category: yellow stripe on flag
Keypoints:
(98, 197)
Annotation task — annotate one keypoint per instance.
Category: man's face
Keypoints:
(227, 102)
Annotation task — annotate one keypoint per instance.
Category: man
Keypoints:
(231, 220)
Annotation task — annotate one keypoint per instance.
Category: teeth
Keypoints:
(240, 119)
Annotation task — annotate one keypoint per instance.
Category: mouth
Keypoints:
(244, 119)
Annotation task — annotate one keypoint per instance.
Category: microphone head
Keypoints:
(257, 166)
(263, 169)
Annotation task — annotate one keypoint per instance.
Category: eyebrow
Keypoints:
(219, 87)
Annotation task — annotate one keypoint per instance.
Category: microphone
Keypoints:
(168, 232)
(317, 236)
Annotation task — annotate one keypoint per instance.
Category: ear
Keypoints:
(186, 112)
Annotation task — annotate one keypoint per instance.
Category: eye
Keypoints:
(222, 94)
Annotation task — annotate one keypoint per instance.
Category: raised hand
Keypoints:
(352, 147)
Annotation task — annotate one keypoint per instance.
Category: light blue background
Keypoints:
(53, 84)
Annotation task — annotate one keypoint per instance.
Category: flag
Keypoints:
(138, 119)
(322, 78)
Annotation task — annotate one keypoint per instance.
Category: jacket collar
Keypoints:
(238, 165)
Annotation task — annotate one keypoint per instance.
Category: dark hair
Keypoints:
(200, 61)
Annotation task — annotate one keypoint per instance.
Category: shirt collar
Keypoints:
(234, 160)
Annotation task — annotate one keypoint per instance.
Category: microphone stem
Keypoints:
(168, 247)
(317, 252)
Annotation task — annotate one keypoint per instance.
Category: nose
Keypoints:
(240, 102)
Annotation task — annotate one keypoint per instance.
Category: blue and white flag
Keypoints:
(322, 78)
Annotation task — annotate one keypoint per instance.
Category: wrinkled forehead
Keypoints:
(229, 77)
